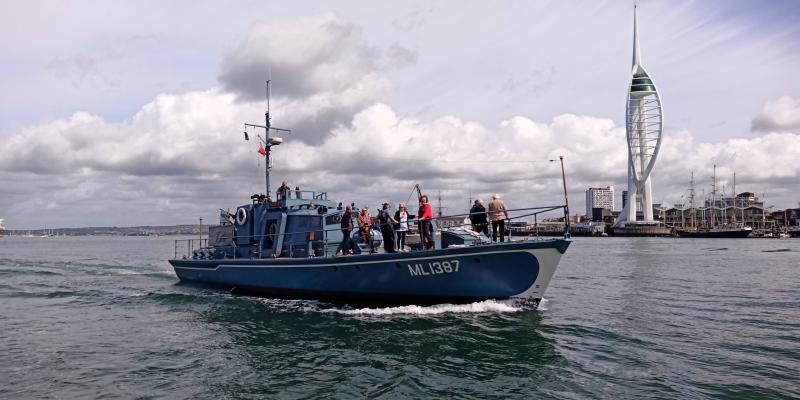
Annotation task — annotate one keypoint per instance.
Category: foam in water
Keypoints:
(486, 306)
(543, 304)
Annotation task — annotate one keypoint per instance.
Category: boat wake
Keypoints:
(480, 307)
(486, 306)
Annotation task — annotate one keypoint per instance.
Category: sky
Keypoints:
(131, 113)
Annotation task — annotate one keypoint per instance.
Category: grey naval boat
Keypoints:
(287, 248)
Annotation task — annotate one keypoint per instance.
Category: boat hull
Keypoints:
(499, 271)
(731, 233)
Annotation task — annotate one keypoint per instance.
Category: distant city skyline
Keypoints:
(131, 113)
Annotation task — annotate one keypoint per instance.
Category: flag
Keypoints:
(261, 150)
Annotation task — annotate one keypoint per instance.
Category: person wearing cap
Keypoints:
(477, 216)
(498, 215)
(364, 227)
(387, 222)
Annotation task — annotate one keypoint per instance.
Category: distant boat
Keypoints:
(732, 232)
(715, 231)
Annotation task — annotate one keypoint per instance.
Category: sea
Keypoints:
(623, 318)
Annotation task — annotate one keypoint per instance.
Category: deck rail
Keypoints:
(185, 248)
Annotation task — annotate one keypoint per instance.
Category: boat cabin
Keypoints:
(304, 224)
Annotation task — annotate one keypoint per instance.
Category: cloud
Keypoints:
(305, 57)
(322, 70)
(781, 115)
(169, 136)
(83, 70)
(183, 155)
(400, 56)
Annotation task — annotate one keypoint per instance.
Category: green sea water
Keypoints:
(105, 317)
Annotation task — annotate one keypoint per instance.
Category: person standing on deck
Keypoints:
(347, 228)
(498, 215)
(365, 227)
(477, 216)
(283, 191)
(425, 226)
(387, 228)
(402, 216)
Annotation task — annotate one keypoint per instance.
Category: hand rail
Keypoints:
(190, 242)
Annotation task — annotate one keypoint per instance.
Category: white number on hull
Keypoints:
(433, 268)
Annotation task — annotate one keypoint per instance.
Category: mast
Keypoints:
(268, 142)
(439, 208)
(733, 216)
(691, 198)
(713, 195)
(266, 139)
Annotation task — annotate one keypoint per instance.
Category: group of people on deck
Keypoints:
(393, 227)
(479, 217)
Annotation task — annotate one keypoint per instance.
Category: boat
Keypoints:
(715, 231)
(2, 228)
(287, 247)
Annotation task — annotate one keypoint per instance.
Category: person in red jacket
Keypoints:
(425, 227)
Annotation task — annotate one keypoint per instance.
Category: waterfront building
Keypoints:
(624, 198)
(599, 198)
(643, 127)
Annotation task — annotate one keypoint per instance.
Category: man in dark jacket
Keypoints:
(387, 228)
(347, 244)
(477, 216)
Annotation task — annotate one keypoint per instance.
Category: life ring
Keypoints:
(241, 216)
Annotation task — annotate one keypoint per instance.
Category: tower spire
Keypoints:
(637, 52)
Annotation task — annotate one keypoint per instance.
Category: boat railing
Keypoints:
(293, 194)
(185, 248)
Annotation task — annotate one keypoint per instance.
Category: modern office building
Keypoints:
(644, 121)
(599, 198)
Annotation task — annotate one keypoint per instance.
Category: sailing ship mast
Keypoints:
(713, 196)
(691, 198)
(733, 216)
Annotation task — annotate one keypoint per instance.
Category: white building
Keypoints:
(599, 198)
(644, 120)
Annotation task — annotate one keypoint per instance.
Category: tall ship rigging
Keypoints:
(713, 229)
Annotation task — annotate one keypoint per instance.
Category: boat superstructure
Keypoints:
(288, 246)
